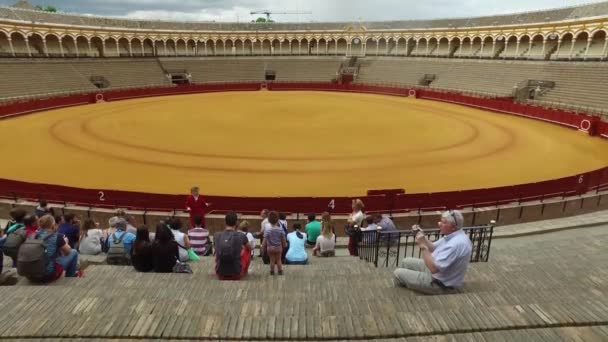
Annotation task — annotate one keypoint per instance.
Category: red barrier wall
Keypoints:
(377, 201)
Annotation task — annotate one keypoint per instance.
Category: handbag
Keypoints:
(181, 267)
(192, 256)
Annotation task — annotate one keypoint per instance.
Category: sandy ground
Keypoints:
(289, 144)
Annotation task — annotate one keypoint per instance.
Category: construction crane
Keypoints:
(268, 13)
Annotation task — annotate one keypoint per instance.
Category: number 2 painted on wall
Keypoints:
(102, 196)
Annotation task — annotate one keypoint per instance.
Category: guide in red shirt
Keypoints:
(196, 206)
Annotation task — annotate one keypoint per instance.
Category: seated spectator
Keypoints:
(369, 224)
(131, 223)
(92, 238)
(283, 222)
(199, 237)
(175, 224)
(244, 228)
(232, 251)
(165, 251)
(296, 253)
(142, 257)
(444, 263)
(59, 256)
(326, 242)
(385, 223)
(119, 245)
(18, 231)
(16, 221)
(31, 225)
(43, 209)
(274, 243)
(70, 229)
(313, 229)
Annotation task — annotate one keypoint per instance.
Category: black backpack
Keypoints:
(32, 260)
(13, 241)
(228, 248)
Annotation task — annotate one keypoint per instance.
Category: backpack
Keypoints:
(32, 258)
(12, 243)
(117, 253)
(227, 248)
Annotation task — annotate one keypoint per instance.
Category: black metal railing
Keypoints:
(386, 249)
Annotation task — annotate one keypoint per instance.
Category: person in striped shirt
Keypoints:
(199, 237)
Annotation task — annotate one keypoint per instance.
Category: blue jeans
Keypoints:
(69, 263)
(305, 262)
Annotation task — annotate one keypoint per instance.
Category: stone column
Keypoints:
(517, 48)
(46, 50)
(143, 50)
(130, 49)
(76, 47)
(572, 48)
(118, 48)
(90, 53)
(61, 47)
(544, 48)
(605, 48)
(505, 50)
(10, 45)
(377, 47)
(589, 41)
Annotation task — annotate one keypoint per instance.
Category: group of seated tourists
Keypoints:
(43, 247)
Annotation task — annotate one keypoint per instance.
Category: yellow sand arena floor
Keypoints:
(289, 144)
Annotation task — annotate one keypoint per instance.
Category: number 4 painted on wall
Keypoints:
(332, 204)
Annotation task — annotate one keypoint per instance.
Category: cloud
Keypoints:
(235, 14)
(322, 10)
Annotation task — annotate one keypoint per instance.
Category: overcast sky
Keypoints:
(322, 10)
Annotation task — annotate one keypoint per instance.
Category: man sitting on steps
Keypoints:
(444, 263)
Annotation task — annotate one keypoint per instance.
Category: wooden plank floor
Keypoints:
(540, 288)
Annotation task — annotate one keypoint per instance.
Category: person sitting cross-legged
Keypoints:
(296, 253)
(232, 251)
(142, 258)
(444, 263)
(119, 245)
(326, 242)
(58, 255)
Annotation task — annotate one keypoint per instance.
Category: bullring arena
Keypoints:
(294, 144)
(502, 117)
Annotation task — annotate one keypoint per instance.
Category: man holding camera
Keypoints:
(443, 264)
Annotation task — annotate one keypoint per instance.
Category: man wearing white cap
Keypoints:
(443, 264)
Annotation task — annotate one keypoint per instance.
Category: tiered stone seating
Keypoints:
(123, 73)
(24, 77)
(481, 76)
(521, 288)
(253, 69)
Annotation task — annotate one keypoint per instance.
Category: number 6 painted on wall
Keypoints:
(102, 196)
